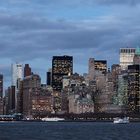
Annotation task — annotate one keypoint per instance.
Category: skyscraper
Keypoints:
(134, 88)
(101, 65)
(137, 57)
(1, 85)
(91, 69)
(49, 77)
(17, 75)
(96, 66)
(61, 66)
(27, 70)
(126, 57)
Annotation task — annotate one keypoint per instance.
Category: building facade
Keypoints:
(17, 76)
(49, 77)
(126, 57)
(61, 66)
(29, 82)
(27, 70)
(96, 66)
(134, 88)
(40, 103)
(17, 73)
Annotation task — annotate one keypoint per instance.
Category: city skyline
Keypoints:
(43, 79)
(95, 28)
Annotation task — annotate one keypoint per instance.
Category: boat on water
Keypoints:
(121, 120)
(55, 119)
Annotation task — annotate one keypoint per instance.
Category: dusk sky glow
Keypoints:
(32, 31)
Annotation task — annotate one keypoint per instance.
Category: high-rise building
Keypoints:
(91, 69)
(96, 66)
(61, 66)
(137, 57)
(1, 85)
(1, 106)
(49, 77)
(28, 83)
(10, 93)
(101, 65)
(134, 88)
(115, 70)
(27, 70)
(126, 57)
(17, 75)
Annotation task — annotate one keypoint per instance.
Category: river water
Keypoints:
(68, 131)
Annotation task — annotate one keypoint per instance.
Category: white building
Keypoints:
(17, 75)
(66, 81)
(126, 57)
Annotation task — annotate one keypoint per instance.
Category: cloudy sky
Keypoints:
(32, 31)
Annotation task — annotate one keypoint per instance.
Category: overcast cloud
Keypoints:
(32, 31)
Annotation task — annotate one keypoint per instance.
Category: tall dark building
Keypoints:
(1, 85)
(11, 99)
(48, 78)
(27, 70)
(134, 88)
(61, 66)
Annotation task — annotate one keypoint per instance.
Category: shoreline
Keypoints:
(137, 121)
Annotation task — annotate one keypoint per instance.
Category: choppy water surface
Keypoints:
(68, 131)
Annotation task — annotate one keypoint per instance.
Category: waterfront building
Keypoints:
(103, 97)
(70, 83)
(1, 86)
(134, 88)
(17, 76)
(61, 66)
(27, 70)
(1, 106)
(41, 102)
(78, 105)
(29, 82)
(10, 100)
(126, 57)
(20, 98)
